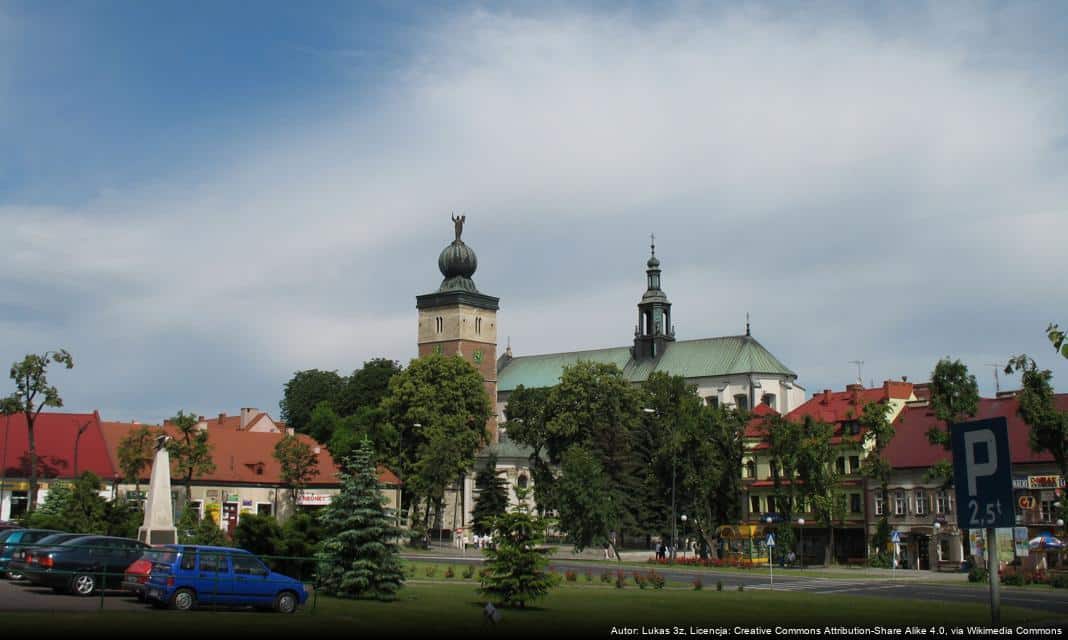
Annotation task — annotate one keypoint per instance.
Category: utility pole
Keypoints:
(860, 365)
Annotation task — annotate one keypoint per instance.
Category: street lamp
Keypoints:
(674, 529)
(801, 552)
(768, 520)
(685, 539)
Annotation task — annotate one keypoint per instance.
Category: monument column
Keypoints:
(158, 527)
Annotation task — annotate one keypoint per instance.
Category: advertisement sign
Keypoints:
(977, 542)
(1045, 482)
(314, 499)
(1019, 537)
(1006, 546)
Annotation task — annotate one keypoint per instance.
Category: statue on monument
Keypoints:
(458, 222)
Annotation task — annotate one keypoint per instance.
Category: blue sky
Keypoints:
(201, 198)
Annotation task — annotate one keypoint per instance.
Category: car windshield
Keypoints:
(57, 538)
(165, 556)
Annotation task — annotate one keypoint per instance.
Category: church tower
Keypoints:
(654, 329)
(457, 319)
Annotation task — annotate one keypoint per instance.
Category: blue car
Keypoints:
(184, 576)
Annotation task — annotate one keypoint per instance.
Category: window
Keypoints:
(522, 482)
(741, 401)
(880, 503)
(921, 502)
(439, 324)
(854, 464)
(943, 502)
(800, 507)
(1045, 511)
(248, 566)
(854, 503)
(478, 326)
(264, 509)
(195, 506)
(750, 469)
(768, 399)
(899, 502)
(754, 504)
(839, 465)
(19, 503)
(189, 561)
(712, 401)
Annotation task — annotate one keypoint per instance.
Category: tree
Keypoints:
(366, 387)
(819, 480)
(190, 450)
(371, 423)
(726, 429)
(262, 535)
(516, 565)
(954, 397)
(299, 464)
(587, 507)
(438, 408)
(304, 391)
(302, 536)
(52, 512)
(492, 499)
(1049, 426)
(359, 556)
(192, 529)
(595, 408)
(878, 431)
(136, 452)
(526, 423)
(323, 422)
(32, 394)
(785, 448)
(1058, 338)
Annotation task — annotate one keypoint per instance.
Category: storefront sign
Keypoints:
(1019, 537)
(1044, 482)
(233, 497)
(213, 494)
(1026, 503)
(314, 499)
(246, 503)
(135, 495)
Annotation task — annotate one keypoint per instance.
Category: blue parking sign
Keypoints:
(982, 474)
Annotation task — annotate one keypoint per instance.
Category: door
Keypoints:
(214, 581)
(230, 517)
(252, 584)
(923, 552)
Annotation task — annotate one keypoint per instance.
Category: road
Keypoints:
(1054, 601)
(22, 596)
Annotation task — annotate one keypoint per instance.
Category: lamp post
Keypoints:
(771, 563)
(684, 538)
(801, 550)
(938, 547)
(674, 529)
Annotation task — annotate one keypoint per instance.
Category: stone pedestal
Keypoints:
(158, 527)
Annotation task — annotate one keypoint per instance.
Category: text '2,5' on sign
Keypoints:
(982, 473)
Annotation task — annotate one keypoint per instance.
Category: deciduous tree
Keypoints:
(32, 394)
(190, 451)
(304, 391)
(136, 451)
(300, 464)
(954, 398)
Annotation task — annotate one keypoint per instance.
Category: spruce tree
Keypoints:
(359, 553)
(515, 565)
(492, 498)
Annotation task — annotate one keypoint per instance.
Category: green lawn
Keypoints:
(456, 608)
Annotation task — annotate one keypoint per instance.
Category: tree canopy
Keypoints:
(190, 451)
(304, 391)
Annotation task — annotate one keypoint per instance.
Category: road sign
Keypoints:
(982, 473)
(771, 540)
(895, 537)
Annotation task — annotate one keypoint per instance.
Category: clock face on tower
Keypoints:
(478, 356)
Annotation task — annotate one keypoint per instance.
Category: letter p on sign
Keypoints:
(976, 469)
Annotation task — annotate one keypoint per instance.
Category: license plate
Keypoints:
(153, 593)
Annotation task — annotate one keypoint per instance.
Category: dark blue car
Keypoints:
(184, 576)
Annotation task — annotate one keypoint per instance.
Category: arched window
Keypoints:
(439, 324)
(768, 399)
(478, 326)
(750, 469)
(522, 482)
(741, 401)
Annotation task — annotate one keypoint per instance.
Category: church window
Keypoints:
(439, 324)
(522, 482)
(478, 326)
(741, 401)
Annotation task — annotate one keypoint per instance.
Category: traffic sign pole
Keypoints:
(995, 579)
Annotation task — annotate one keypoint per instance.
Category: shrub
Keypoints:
(1014, 580)
(589, 575)
(449, 573)
(469, 572)
(719, 585)
(698, 585)
(621, 579)
(1059, 581)
(656, 580)
(484, 573)
(639, 580)
(978, 574)
(570, 576)
(431, 570)
(741, 587)
(606, 577)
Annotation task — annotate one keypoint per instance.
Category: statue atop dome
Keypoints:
(458, 223)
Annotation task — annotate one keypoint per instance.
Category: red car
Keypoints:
(136, 575)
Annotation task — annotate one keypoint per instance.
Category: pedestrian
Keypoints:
(606, 556)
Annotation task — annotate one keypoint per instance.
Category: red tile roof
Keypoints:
(755, 427)
(245, 456)
(910, 449)
(839, 406)
(54, 435)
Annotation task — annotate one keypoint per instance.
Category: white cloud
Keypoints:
(819, 173)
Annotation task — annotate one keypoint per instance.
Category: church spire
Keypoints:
(654, 328)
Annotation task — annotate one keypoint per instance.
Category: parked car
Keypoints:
(7, 524)
(192, 575)
(19, 540)
(24, 556)
(136, 575)
(83, 565)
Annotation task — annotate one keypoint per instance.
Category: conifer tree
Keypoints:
(492, 500)
(359, 554)
(515, 565)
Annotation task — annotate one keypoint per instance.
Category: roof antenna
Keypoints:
(860, 365)
(997, 382)
(747, 323)
(508, 351)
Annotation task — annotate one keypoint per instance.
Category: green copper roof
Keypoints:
(703, 358)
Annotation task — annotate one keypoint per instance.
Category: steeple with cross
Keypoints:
(654, 328)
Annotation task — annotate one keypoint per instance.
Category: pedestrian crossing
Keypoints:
(824, 585)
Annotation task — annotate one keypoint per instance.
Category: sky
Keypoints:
(199, 198)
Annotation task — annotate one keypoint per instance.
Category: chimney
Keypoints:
(826, 396)
(222, 416)
(904, 378)
(247, 414)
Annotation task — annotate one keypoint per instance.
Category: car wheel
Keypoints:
(83, 584)
(183, 600)
(286, 602)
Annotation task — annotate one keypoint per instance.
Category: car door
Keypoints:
(214, 581)
(251, 584)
